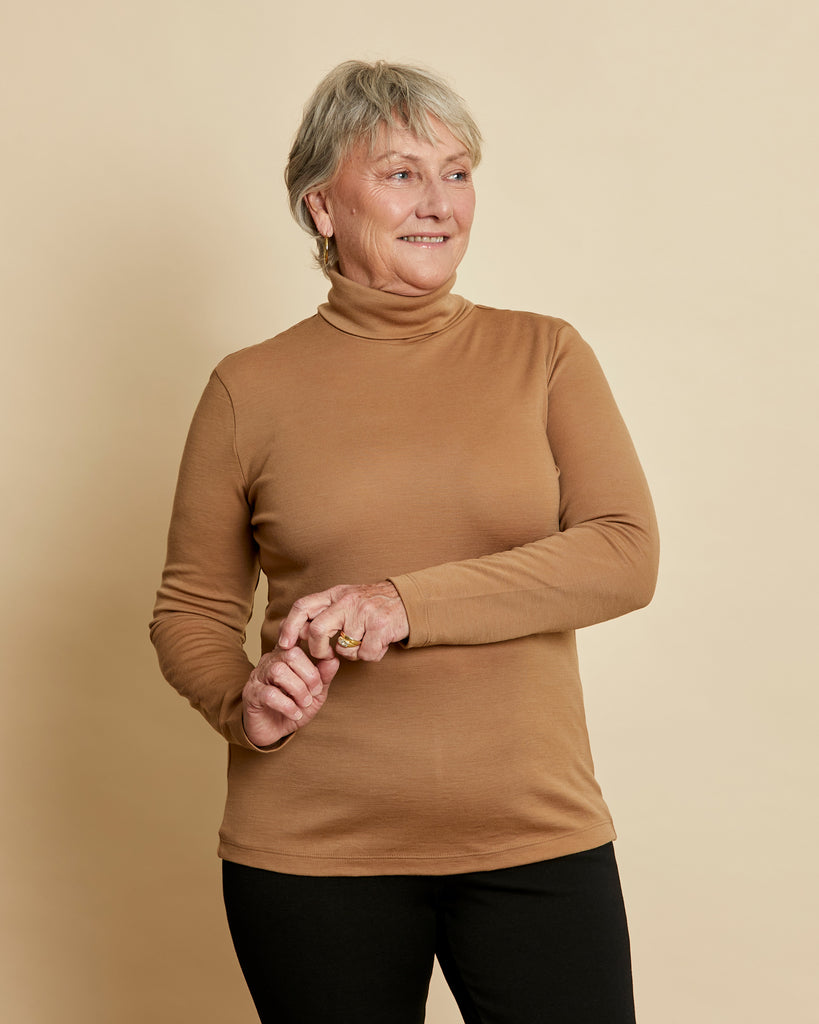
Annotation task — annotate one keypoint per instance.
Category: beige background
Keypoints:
(651, 175)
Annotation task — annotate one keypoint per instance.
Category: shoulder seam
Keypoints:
(242, 473)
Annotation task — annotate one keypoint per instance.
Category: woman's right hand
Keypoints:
(284, 693)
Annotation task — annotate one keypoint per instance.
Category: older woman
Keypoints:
(438, 494)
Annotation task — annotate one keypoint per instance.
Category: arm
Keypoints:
(206, 596)
(602, 563)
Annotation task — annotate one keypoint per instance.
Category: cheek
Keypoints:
(466, 210)
(368, 228)
(363, 241)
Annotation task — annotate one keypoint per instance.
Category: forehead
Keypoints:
(397, 139)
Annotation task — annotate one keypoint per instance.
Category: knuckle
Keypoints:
(278, 673)
(315, 630)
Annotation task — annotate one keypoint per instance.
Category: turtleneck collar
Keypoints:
(370, 313)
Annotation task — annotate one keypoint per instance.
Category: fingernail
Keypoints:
(308, 700)
(298, 715)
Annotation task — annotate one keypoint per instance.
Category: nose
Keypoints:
(434, 200)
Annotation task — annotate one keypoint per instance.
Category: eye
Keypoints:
(459, 176)
(400, 175)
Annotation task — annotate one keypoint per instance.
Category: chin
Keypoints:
(421, 281)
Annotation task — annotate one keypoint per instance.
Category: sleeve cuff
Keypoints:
(415, 605)
(235, 733)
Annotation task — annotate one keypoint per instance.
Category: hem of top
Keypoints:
(420, 864)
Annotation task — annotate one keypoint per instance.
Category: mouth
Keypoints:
(424, 239)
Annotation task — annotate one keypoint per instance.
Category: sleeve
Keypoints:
(603, 561)
(206, 597)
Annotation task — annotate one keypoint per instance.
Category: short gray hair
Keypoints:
(350, 105)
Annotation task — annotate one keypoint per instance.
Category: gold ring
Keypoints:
(347, 641)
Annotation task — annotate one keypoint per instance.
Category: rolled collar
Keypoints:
(370, 313)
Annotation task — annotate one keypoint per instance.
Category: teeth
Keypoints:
(423, 238)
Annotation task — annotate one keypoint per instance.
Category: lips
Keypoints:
(423, 238)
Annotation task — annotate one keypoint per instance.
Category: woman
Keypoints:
(439, 494)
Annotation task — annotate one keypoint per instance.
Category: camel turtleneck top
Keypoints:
(476, 458)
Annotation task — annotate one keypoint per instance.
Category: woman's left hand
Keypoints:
(371, 612)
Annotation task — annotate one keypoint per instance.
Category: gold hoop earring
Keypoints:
(326, 249)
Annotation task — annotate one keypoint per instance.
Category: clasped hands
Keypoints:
(289, 686)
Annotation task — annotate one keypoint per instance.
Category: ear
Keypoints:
(320, 212)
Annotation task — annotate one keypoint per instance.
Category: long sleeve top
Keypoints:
(476, 458)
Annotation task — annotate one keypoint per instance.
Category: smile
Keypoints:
(423, 238)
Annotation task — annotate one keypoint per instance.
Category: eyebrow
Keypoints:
(392, 154)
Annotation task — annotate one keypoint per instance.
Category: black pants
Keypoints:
(544, 943)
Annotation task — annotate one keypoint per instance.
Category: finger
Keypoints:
(350, 638)
(321, 630)
(378, 635)
(288, 694)
(327, 670)
(277, 700)
(262, 697)
(294, 625)
(293, 671)
(373, 647)
(339, 629)
(374, 627)
(290, 697)
(345, 648)
(295, 659)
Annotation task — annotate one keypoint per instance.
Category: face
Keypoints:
(401, 214)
